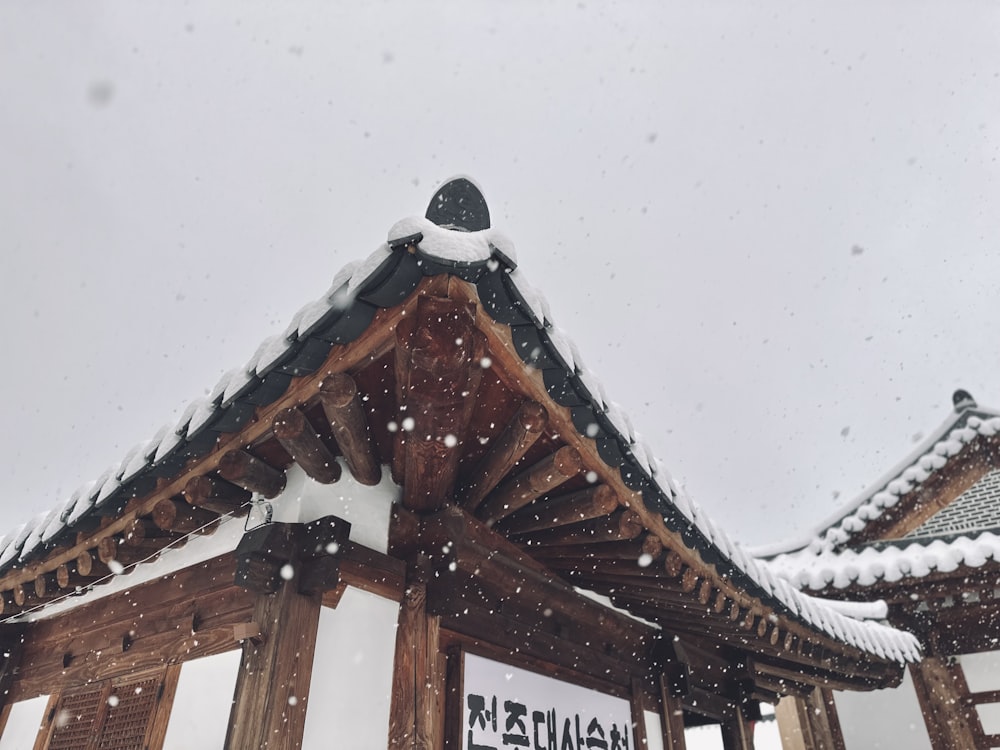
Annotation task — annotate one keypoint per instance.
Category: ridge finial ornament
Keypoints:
(459, 205)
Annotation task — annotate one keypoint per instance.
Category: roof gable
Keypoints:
(430, 319)
(945, 465)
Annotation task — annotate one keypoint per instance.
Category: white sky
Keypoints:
(771, 230)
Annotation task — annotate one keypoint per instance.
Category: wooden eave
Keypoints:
(392, 366)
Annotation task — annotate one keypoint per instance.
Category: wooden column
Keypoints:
(737, 733)
(417, 711)
(809, 723)
(951, 721)
(272, 689)
(672, 718)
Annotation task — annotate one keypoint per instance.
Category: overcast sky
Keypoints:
(771, 230)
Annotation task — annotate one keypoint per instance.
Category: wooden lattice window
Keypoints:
(76, 716)
(125, 713)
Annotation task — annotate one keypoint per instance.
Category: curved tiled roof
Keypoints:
(417, 248)
(889, 562)
(963, 426)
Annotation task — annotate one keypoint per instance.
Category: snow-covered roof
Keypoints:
(417, 248)
(966, 424)
(890, 562)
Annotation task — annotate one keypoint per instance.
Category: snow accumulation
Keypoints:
(892, 563)
(945, 443)
(492, 255)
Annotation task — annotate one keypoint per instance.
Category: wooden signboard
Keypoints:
(509, 707)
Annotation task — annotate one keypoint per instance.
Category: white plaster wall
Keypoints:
(200, 714)
(982, 672)
(889, 719)
(654, 730)
(367, 508)
(23, 724)
(352, 674)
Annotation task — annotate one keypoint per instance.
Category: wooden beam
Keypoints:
(530, 484)
(416, 714)
(171, 514)
(247, 471)
(438, 371)
(518, 436)
(342, 405)
(214, 494)
(619, 526)
(583, 505)
(304, 444)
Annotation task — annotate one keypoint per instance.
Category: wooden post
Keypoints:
(809, 723)
(672, 718)
(951, 721)
(417, 713)
(737, 733)
(272, 689)
(637, 705)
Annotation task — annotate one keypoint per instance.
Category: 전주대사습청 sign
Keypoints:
(508, 707)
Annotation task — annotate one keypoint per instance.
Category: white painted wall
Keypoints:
(200, 714)
(352, 674)
(367, 508)
(982, 672)
(889, 719)
(654, 730)
(23, 724)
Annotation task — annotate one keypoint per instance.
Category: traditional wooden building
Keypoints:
(413, 519)
(925, 540)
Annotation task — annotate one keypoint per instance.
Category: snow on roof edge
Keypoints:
(458, 250)
(990, 424)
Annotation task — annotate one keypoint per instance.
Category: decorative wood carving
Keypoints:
(438, 354)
